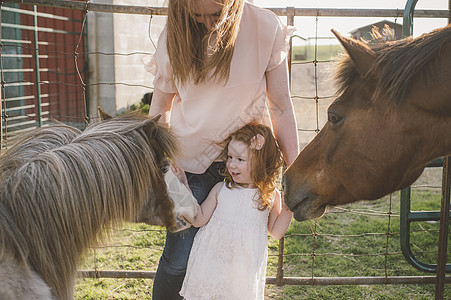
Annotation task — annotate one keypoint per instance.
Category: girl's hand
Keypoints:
(284, 206)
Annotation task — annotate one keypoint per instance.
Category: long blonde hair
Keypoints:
(187, 41)
(266, 163)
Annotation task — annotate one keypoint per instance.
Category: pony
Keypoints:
(61, 189)
(391, 118)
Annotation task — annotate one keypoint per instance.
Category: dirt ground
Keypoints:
(311, 114)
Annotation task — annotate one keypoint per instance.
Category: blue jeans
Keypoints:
(172, 266)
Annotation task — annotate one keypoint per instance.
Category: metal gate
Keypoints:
(41, 73)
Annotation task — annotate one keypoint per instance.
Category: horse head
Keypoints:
(61, 189)
(390, 120)
(168, 203)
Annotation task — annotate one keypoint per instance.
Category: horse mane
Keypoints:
(397, 63)
(61, 188)
(27, 146)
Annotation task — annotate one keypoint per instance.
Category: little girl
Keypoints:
(229, 255)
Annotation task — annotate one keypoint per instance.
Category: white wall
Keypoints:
(120, 34)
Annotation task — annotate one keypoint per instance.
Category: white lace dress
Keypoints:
(229, 255)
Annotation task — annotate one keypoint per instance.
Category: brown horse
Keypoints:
(392, 117)
(61, 189)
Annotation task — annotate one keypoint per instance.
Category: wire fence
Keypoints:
(45, 78)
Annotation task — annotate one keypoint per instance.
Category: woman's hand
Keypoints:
(180, 174)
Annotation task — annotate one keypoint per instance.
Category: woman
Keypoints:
(219, 64)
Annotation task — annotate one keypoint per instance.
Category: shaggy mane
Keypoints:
(60, 188)
(397, 63)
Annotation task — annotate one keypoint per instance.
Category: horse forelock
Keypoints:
(345, 73)
(161, 138)
(397, 63)
(124, 124)
(65, 194)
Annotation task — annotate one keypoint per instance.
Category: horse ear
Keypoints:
(160, 132)
(102, 114)
(361, 55)
(156, 119)
(150, 125)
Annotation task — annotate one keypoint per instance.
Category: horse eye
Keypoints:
(165, 167)
(333, 118)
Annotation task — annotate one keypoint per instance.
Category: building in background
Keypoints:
(365, 31)
(119, 80)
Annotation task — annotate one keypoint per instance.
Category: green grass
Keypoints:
(321, 52)
(140, 107)
(352, 256)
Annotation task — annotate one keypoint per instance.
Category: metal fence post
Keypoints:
(279, 276)
(407, 25)
(444, 219)
(36, 55)
(2, 86)
(443, 234)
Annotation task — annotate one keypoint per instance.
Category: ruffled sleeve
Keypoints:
(149, 63)
(281, 45)
(158, 65)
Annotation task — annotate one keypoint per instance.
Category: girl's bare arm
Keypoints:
(279, 218)
(205, 211)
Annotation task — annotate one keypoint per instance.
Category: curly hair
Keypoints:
(266, 163)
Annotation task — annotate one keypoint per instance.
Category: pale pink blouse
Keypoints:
(207, 113)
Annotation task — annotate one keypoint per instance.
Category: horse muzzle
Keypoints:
(301, 201)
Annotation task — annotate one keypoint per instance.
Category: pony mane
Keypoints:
(61, 188)
(397, 63)
(27, 146)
